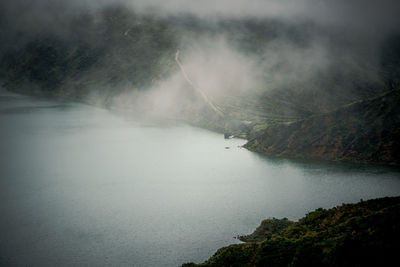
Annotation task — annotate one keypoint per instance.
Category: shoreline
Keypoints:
(370, 237)
(204, 123)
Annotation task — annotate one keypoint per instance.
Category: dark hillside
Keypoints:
(307, 97)
(366, 131)
(102, 53)
(362, 234)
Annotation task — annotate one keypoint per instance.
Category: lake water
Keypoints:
(82, 186)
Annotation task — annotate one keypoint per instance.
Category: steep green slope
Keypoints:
(267, 228)
(103, 54)
(363, 234)
(115, 53)
(115, 50)
(365, 131)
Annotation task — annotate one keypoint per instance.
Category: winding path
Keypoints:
(198, 90)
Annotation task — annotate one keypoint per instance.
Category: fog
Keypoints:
(212, 66)
(162, 193)
(309, 45)
(368, 15)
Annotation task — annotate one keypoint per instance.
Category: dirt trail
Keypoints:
(198, 90)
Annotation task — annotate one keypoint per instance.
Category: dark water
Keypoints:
(81, 186)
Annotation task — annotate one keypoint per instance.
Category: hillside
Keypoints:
(365, 131)
(278, 83)
(99, 54)
(362, 234)
(115, 50)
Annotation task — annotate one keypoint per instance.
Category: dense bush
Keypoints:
(363, 234)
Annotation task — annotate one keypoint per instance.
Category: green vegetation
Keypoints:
(339, 113)
(267, 228)
(362, 234)
(366, 131)
(103, 53)
(297, 110)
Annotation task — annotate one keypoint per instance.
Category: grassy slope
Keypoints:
(103, 54)
(117, 51)
(267, 228)
(365, 131)
(362, 234)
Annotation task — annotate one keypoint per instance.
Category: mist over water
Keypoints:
(133, 185)
(83, 186)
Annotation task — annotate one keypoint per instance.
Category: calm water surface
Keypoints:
(81, 186)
